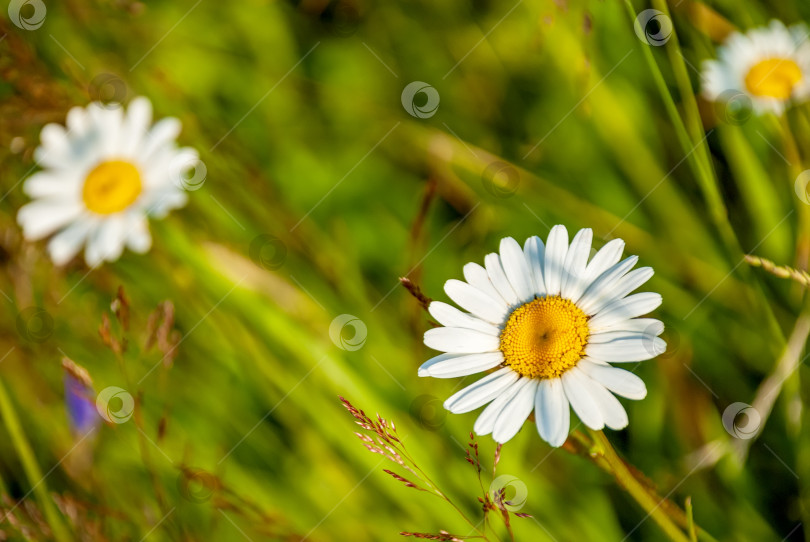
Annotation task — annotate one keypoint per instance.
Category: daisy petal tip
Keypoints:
(502, 439)
(594, 425)
(508, 242)
(480, 431)
(659, 346)
(557, 440)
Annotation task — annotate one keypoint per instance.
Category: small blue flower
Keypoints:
(79, 399)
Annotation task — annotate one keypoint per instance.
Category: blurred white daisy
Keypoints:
(770, 65)
(103, 177)
(549, 322)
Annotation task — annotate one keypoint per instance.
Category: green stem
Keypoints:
(439, 493)
(690, 518)
(795, 169)
(694, 144)
(699, 156)
(142, 444)
(655, 506)
(707, 178)
(31, 467)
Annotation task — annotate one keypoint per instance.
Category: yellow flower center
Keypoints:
(111, 187)
(545, 337)
(773, 78)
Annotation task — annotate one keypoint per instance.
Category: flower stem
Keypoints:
(31, 467)
(691, 520)
(439, 493)
(690, 137)
(671, 519)
(795, 169)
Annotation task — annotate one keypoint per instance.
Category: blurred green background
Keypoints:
(322, 190)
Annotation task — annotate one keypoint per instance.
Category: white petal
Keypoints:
(601, 287)
(517, 269)
(646, 326)
(108, 122)
(139, 239)
(478, 278)
(162, 201)
(624, 309)
(608, 336)
(578, 393)
(617, 380)
(449, 316)
(46, 184)
(486, 421)
(482, 392)
(41, 218)
(67, 243)
(498, 278)
(551, 411)
(463, 365)
(460, 341)
(556, 250)
(628, 283)
(612, 411)
(477, 302)
(112, 237)
(136, 125)
(512, 416)
(164, 132)
(576, 259)
(424, 369)
(55, 148)
(535, 250)
(603, 260)
(77, 122)
(93, 250)
(561, 435)
(637, 348)
(180, 170)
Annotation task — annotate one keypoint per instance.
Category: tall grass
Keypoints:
(238, 434)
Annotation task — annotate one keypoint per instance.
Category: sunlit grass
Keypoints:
(239, 432)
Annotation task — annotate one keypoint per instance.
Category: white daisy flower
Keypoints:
(549, 323)
(770, 65)
(102, 177)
